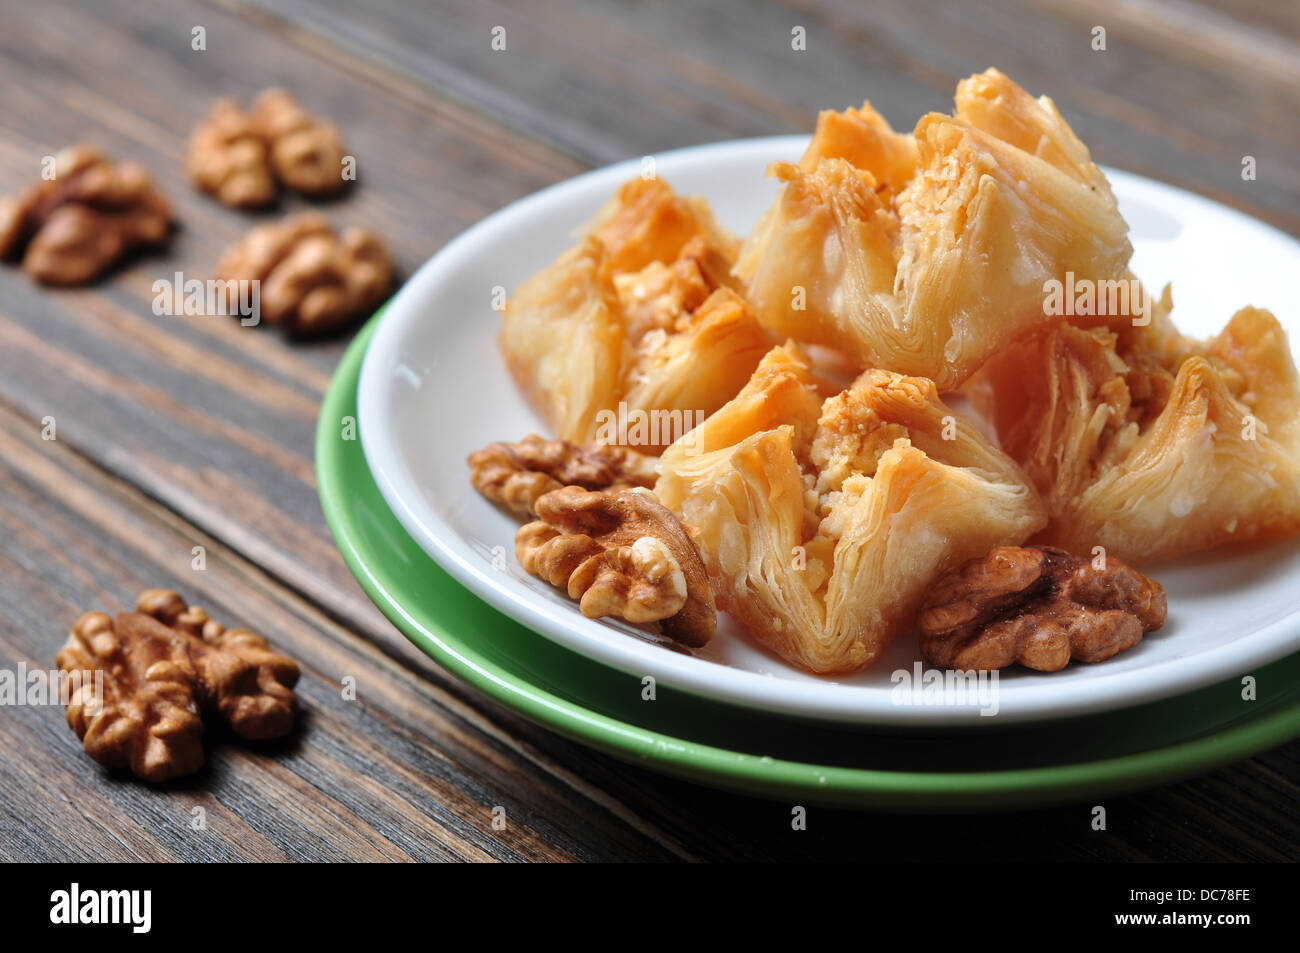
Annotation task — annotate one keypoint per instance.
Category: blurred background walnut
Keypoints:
(161, 666)
(1038, 606)
(621, 553)
(312, 279)
(70, 229)
(306, 152)
(239, 156)
(228, 158)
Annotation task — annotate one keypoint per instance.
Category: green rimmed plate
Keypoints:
(766, 755)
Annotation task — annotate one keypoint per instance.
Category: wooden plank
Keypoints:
(196, 409)
(198, 412)
(412, 771)
(404, 772)
(1182, 91)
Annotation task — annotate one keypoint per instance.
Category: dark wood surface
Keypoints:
(176, 432)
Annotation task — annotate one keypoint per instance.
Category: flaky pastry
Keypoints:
(1149, 444)
(926, 254)
(642, 313)
(822, 521)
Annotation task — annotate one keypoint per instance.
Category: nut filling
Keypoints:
(621, 553)
(162, 665)
(1038, 606)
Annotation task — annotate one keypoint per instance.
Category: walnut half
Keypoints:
(71, 228)
(228, 158)
(516, 474)
(621, 553)
(1038, 606)
(306, 152)
(313, 280)
(161, 666)
(238, 156)
(147, 717)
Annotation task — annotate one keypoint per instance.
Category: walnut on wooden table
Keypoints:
(71, 228)
(241, 157)
(313, 280)
(161, 668)
(228, 158)
(305, 152)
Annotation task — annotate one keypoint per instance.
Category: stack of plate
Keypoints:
(424, 381)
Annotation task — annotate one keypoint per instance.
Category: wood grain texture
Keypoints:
(182, 431)
(405, 771)
(1182, 91)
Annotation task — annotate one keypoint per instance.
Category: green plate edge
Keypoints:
(343, 478)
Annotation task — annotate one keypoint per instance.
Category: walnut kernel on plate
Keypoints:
(515, 475)
(621, 553)
(70, 229)
(1038, 606)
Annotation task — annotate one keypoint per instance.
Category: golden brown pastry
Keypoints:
(1149, 444)
(925, 254)
(646, 221)
(863, 138)
(822, 522)
(638, 332)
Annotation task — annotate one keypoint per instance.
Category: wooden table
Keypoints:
(178, 432)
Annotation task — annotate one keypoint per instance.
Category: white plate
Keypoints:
(433, 388)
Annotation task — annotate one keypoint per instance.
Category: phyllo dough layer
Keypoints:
(925, 254)
(1149, 444)
(823, 520)
(642, 313)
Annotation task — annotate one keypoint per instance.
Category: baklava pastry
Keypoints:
(927, 266)
(646, 221)
(1148, 444)
(638, 332)
(863, 138)
(823, 520)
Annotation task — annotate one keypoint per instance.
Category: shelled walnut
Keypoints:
(69, 229)
(516, 474)
(621, 553)
(228, 158)
(1038, 606)
(313, 280)
(161, 667)
(306, 152)
(240, 156)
